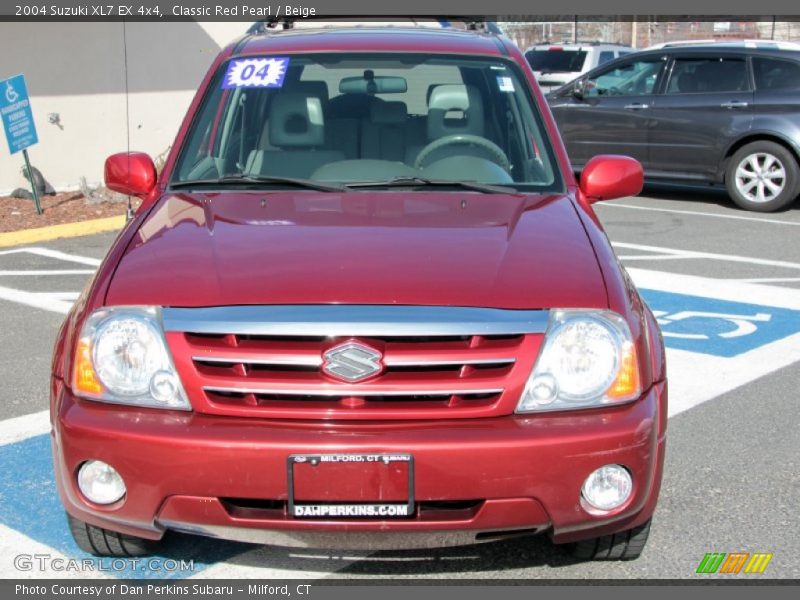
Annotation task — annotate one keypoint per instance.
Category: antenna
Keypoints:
(129, 211)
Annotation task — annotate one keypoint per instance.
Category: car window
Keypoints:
(629, 79)
(708, 75)
(776, 74)
(556, 60)
(355, 118)
(605, 56)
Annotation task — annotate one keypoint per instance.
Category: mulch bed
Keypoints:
(65, 207)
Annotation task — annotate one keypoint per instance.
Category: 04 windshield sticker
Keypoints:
(256, 72)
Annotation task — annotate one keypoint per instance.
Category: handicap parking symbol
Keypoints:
(718, 327)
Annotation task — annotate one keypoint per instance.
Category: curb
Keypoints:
(66, 230)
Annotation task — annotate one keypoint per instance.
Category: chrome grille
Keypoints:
(274, 370)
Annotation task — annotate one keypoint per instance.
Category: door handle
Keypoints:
(636, 106)
(734, 104)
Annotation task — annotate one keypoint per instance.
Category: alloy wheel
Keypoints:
(760, 177)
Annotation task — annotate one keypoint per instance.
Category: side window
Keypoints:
(708, 75)
(776, 74)
(605, 56)
(630, 79)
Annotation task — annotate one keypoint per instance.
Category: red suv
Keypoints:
(364, 304)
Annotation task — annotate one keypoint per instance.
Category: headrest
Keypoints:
(311, 88)
(388, 112)
(453, 109)
(295, 119)
(429, 92)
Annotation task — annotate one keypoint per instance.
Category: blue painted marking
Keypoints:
(29, 504)
(719, 327)
(15, 109)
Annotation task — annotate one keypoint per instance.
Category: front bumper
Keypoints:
(502, 476)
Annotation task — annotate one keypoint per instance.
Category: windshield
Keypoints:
(354, 119)
(556, 60)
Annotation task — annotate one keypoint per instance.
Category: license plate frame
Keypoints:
(357, 510)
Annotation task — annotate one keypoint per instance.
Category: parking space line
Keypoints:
(36, 300)
(703, 214)
(717, 289)
(58, 301)
(71, 296)
(46, 272)
(713, 376)
(21, 428)
(20, 555)
(768, 280)
(56, 254)
(709, 255)
(653, 257)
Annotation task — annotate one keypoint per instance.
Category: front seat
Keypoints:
(292, 143)
(452, 109)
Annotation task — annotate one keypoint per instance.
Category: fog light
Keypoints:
(100, 482)
(608, 487)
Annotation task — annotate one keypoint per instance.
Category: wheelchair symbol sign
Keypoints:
(741, 324)
(11, 94)
(718, 327)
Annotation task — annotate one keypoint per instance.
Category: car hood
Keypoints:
(423, 248)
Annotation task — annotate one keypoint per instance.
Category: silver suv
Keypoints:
(556, 64)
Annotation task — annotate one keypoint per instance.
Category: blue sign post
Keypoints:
(15, 109)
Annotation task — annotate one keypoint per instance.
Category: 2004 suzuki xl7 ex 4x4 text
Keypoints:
(364, 304)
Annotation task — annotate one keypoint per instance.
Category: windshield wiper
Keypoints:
(243, 179)
(411, 181)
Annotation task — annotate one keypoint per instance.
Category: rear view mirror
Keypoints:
(380, 84)
(130, 173)
(611, 176)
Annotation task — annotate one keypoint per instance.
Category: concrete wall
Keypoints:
(76, 70)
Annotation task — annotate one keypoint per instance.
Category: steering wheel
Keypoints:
(494, 151)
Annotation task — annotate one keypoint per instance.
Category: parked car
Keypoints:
(721, 114)
(365, 303)
(555, 64)
(768, 44)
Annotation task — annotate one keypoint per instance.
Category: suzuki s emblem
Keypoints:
(352, 361)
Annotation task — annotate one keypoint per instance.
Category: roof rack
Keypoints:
(278, 24)
(570, 42)
(265, 25)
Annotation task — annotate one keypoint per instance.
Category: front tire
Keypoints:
(763, 177)
(626, 545)
(104, 542)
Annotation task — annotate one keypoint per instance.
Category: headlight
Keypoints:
(587, 359)
(122, 357)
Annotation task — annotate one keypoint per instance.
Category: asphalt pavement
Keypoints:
(731, 478)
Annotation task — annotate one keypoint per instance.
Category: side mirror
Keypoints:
(130, 173)
(611, 176)
(579, 89)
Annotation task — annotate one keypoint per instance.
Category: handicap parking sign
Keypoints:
(15, 109)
